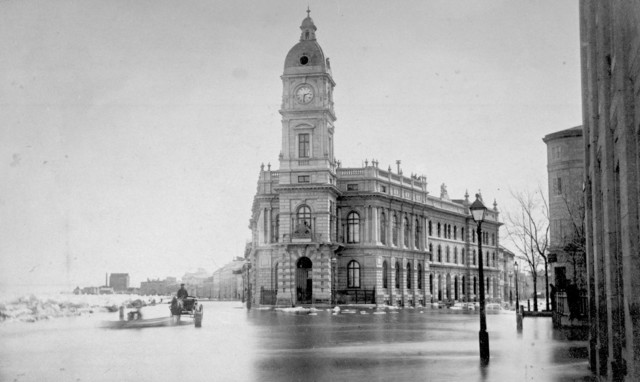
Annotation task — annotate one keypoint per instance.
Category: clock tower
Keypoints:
(307, 173)
(307, 113)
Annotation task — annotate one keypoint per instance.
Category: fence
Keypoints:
(356, 296)
(268, 296)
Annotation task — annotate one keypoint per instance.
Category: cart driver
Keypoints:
(182, 292)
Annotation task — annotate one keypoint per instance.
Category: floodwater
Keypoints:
(234, 344)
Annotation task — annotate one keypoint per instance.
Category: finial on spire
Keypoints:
(308, 10)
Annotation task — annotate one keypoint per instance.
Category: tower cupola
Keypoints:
(308, 28)
(306, 55)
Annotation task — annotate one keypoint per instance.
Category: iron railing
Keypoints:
(356, 296)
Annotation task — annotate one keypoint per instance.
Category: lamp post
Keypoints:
(515, 266)
(478, 211)
(334, 261)
(510, 290)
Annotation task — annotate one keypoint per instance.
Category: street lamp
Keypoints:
(510, 290)
(334, 261)
(515, 266)
(478, 211)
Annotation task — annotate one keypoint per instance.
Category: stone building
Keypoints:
(165, 287)
(119, 281)
(610, 60)
(323, 233)
(227, 281)
(565, 170)
(507, 259)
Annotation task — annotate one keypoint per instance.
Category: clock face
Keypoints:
(304, 94)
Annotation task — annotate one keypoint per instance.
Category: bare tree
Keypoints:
(529, 232)
(574, 243)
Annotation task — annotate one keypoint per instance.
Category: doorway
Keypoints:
(304, 281)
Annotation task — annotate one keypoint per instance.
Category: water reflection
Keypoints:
(260, 345)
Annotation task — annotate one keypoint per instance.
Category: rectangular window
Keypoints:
(352, 187)
(383, 189)
(303, 179)
(559, 186)
(304, 146)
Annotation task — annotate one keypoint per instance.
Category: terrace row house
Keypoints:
(322, 233)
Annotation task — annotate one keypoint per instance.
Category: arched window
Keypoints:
(304, 216)
(455, 255)
(430, 252)
(493, 239)
(383, 228)
(417, 234)
(475, 285)
(419, 276)
(385, 271)
(394, 229)
(353, 274)
(430, 229)
(407, 232)
(353, 228)
(493, 257)
(462, 234)
(455, 232)
(447, 252)
(439, 253)
(397, 275)
(473, 258)
(473, 236)
(455, 288)
(462, 256)
(449, 231)
(438, 229)
(431, 283)
(409, 275)
(464, 286)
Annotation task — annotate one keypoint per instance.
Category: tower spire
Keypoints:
(308, 11)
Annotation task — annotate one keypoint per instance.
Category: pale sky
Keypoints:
(132, 132)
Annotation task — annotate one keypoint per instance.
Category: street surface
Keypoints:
(234, 344)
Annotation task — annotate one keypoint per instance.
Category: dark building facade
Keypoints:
(119, 282)
(610, 55)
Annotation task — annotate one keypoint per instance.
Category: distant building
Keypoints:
(105, 290)
(506, 260)
(90, 290)
(159, 287)
(227, 281)
(610, 57)
(119, 282)
(565, 169)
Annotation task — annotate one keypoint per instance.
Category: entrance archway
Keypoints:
(304, 281)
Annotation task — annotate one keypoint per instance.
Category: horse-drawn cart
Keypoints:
(187, 306)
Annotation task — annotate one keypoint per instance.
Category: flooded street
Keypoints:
(234, 344)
